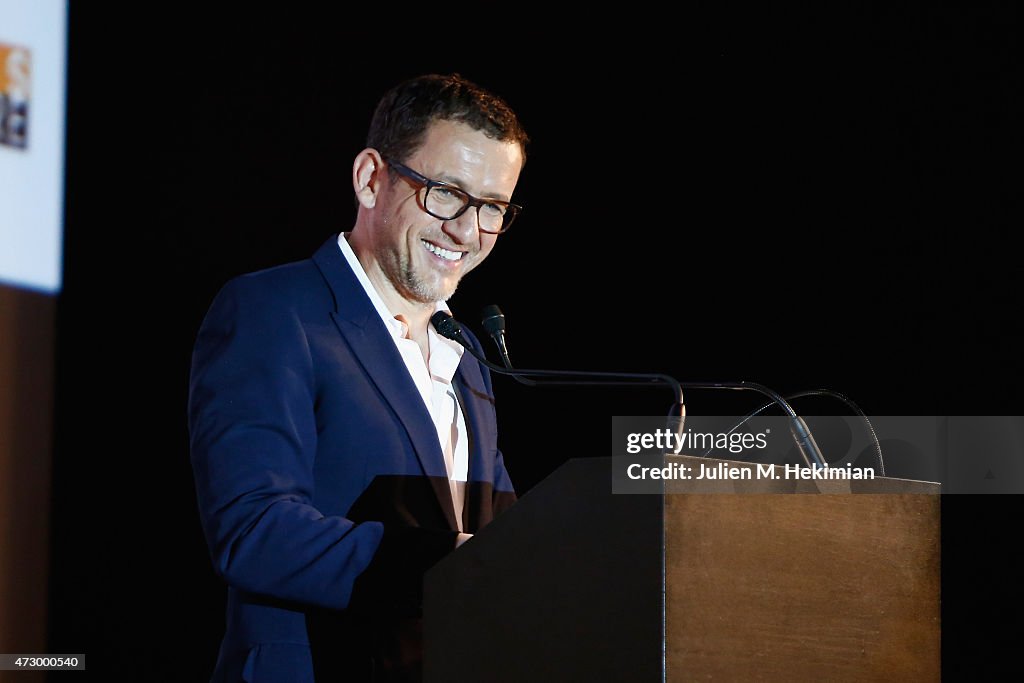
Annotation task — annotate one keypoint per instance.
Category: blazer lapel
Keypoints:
(468, 386)
(361, 327)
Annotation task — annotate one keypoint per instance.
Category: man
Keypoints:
(340, 445)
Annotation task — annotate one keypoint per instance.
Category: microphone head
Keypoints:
(446, 326)
(492, 319)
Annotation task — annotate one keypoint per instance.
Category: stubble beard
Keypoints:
(424, 290)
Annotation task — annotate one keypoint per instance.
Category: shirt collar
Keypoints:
(444, 353)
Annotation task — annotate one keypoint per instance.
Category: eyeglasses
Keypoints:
(447, 202)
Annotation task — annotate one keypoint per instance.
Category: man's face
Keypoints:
(422, 257)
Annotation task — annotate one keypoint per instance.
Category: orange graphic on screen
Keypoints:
(15, 93)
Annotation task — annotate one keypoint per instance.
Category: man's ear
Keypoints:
(367, 176)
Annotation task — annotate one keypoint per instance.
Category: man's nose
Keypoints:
(465, 228)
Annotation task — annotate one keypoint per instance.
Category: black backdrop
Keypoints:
(793, 199)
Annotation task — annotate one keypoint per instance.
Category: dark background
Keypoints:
(797, 199)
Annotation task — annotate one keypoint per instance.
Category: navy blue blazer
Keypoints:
(321, 484)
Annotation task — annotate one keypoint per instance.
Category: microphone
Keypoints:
(450, 328)
(494, 323)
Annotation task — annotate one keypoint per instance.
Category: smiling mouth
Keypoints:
(445, 254)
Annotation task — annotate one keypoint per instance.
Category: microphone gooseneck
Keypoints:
(802, 435)
(448, 327)
(833, 394)
(494, 323)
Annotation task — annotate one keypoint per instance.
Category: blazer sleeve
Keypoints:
(253, 441)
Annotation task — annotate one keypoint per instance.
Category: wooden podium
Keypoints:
(738, 581)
